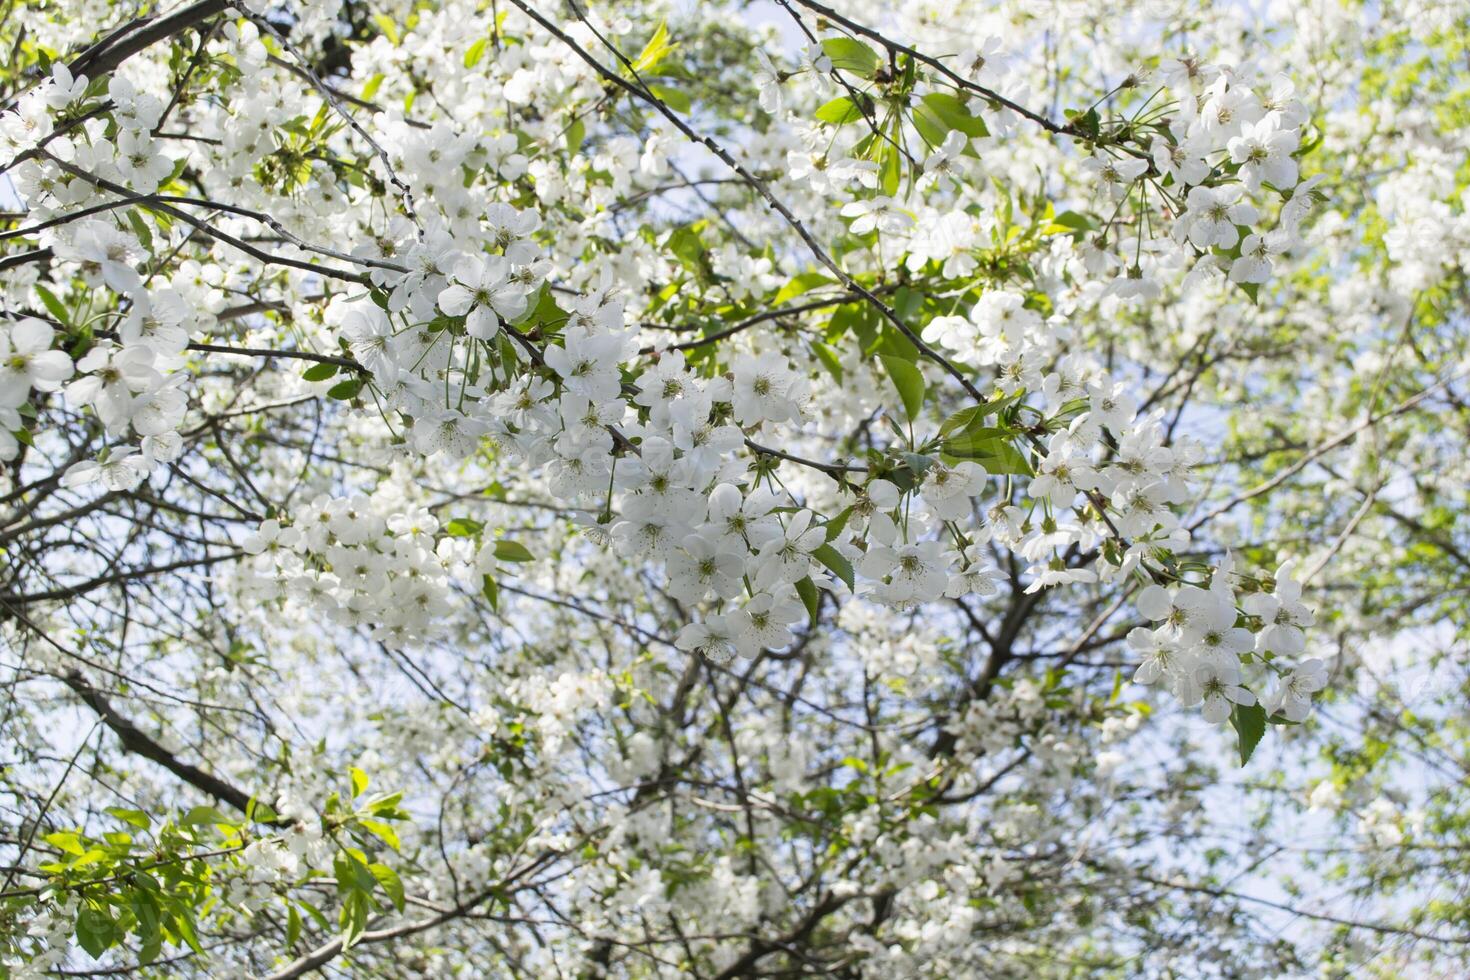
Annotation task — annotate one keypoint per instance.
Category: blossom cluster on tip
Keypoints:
(1208, 163)
(1204, 644)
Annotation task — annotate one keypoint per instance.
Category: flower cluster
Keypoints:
(1202, 646)
(362, 562)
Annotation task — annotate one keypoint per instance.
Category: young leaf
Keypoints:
(137, 818)
(891, 175)
(829, 360)
(803, 283)
(839, 111)
(850, 54)
(675, 99)
(388, 878)
(386, 25)
(512, 551)
(909, 382)
(576, 133)
(344, 391)
(1069, 222)
(380, 830)
(140, 228)
(204, 814)
(95, 931)
(463, 527)
(955, 114)
(475, 53)
(359, 781)
(353, 918)
(838, 524)
(810, 597)
(1250, 724)
(836, 563)
(54, 305)
(991, 448)
(657, 49)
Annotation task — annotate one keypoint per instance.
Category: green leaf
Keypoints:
(317, 915)
(932, 128)
(463, 527)
(179, 167)
(1071, 222)
(344, 391)
(319, 372)
(839, 111)
(293, 926)
(891, 174)
(70, 843)
(686, 245)
(140, 228)
(965, 418)
(1250, 724)
(475, 53)
(137, 818)
(838, 524)
(353, 918)
(675, 99)
(205, 814)
(850, 54)
(836, 563)
(545, 312)
(657, 49)
(955, 114)
(890, 341)
(993, 449)
(258, 812)
(512, 551)
(381, 830)
(54, 305)
(388, 878)
(183, 918)
(387, 807)
(491, 592)
(1086, 123)
(576, 133)
(909, 382)
(149, 924)
(95, 931)
(917, 463)
(359, 781)
(91, 857)
(810, 597)
(803, 283)
(386, 25)
(829, 360)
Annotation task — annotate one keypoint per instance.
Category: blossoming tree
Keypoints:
(534, 488)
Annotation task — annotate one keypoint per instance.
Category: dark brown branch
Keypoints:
(135, 741)
(760, 948)
(302, 355)
(106, 55)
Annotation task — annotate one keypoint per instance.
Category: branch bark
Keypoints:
(136, 742)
